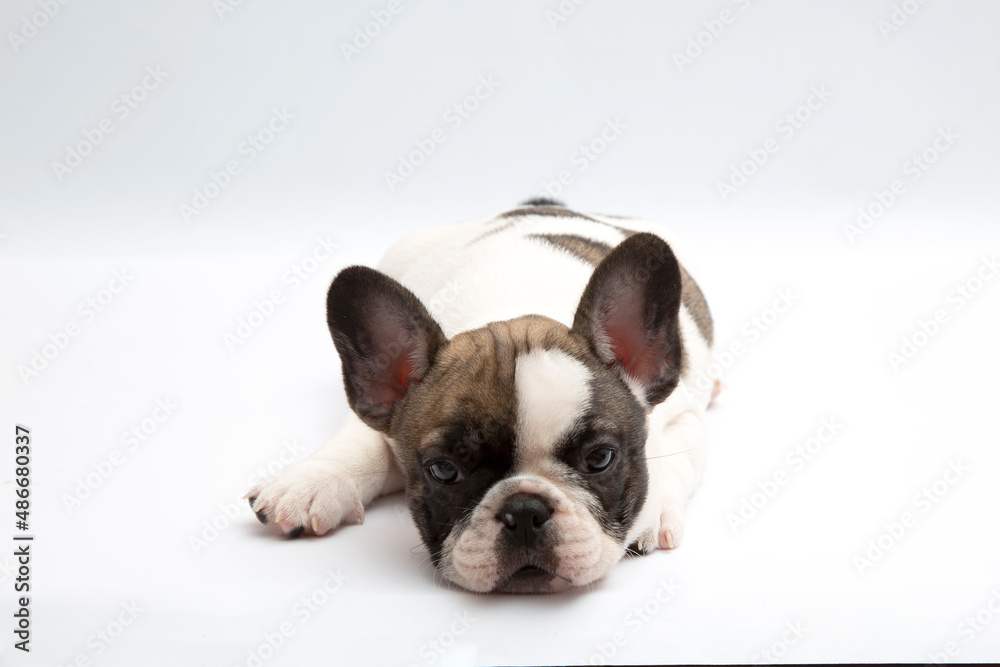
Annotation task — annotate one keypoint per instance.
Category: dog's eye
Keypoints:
(445, 472)
(598, 460)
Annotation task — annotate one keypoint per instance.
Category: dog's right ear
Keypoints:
(386, 339)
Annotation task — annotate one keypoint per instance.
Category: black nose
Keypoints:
(522, 515)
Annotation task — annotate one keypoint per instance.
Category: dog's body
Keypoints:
(537, 387)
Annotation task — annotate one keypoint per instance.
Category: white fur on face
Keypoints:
(553, 393)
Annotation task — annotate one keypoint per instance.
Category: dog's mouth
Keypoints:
(533, 579)
(530, 573)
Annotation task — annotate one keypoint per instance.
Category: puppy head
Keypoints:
(522, 442)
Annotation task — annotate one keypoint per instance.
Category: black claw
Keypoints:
(261, 514)
(298, 531)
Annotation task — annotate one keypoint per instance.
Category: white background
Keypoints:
(890, 89)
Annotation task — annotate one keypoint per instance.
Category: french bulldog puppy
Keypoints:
(534, 381)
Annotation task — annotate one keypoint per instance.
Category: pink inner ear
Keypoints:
(626, 342)
(639, 358)
(621, 344)
(396, 348)
(392, 385)
(620, 327)
(404, 368)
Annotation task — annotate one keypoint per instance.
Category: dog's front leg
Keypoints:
(332, 486)
(675, 456)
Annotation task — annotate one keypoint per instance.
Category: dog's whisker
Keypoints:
(662, 456)
(556, 574)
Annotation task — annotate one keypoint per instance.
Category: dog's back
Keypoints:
(533, 259)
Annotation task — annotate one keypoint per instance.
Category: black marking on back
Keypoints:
(541, 206)
(588, 250)
(694, 300)
(550, 210)
(542, 201)
(592, 252)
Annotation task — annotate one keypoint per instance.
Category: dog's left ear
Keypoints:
(629, 314)
(386, 339)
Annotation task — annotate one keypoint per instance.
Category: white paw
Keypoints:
(670, 532)
(309, 497)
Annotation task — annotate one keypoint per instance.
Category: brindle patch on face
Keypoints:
(465, 412)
